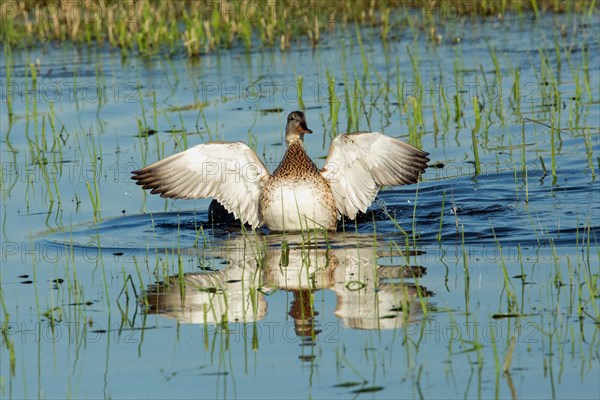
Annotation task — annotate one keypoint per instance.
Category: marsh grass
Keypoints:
(8, 66)
(197, 27)
(300, 87)
(334, 104)
(6, 333)
(474, 137)
(580, 278)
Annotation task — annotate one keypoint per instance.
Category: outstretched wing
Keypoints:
(358, 164)
(229, 172)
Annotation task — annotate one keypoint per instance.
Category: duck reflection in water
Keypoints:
(369, 296)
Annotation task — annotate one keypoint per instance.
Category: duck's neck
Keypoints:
(290, 139)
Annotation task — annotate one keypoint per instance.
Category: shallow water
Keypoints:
(142, 296)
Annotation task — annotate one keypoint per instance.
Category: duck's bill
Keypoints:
(304, 129)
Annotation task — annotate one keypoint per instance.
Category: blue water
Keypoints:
(419, 314)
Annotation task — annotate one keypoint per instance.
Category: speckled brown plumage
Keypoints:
(296, 164)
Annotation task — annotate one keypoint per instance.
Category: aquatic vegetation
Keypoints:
(198, 27)
(483, 277)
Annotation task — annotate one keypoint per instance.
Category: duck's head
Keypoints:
(295, 127)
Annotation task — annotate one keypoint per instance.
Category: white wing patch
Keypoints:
(229, 172)
(358, 164)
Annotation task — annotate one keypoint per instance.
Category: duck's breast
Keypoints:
(298, 204)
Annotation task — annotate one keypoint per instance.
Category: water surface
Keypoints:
(490, 261)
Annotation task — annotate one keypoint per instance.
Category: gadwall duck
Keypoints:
(297, 195)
